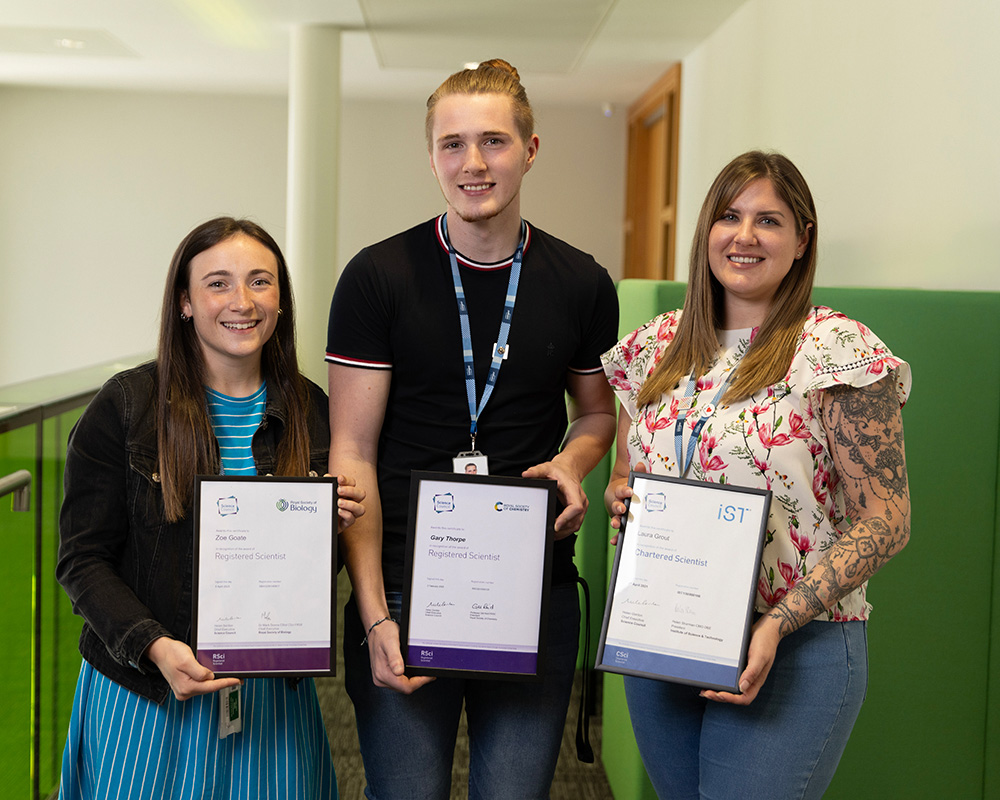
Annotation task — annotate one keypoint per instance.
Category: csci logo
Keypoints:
(282, 504)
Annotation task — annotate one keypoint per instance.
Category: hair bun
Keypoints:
(499, 63)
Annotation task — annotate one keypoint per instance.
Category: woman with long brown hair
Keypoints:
(224, 395)
(750, 384)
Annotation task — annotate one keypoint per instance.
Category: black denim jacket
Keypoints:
(125, 568)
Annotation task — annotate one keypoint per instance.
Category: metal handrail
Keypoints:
(18, 483)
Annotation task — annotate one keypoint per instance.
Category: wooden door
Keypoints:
(651, 193)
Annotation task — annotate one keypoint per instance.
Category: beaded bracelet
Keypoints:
(373, 626)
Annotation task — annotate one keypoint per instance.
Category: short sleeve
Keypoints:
(601, 326)
(633, 358)
(839, 351)
(358, 333)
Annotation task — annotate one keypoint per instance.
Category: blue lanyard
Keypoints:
(706, 414)
(463, 318)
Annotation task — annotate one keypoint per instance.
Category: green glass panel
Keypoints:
(17, 451)
(60, 629)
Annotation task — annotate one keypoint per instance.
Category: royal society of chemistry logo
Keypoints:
(510, 507)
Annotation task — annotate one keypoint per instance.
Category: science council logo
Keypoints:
(511, 507)
(228, 506)
(307, 506)
(656, 501)
(444, 502)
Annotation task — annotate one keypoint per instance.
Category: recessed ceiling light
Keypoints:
(70, 44)
(471, 64)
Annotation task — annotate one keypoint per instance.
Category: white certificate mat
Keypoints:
(265, 570)
(476, 581)
(685, 574)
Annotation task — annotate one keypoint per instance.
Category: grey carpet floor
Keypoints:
(574, 780)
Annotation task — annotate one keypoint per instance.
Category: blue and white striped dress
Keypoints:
(121, 745)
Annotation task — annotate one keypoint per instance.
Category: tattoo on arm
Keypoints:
(865, 435)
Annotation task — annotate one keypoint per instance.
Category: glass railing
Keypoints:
(40, 664)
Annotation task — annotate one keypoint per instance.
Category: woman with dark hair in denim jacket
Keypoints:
(145, 719)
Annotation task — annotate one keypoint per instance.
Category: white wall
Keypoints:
(96, 191)
(889, 109)
(575, 190)
(98, 187)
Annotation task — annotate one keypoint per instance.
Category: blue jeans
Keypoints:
(784, 745)
(515, 728)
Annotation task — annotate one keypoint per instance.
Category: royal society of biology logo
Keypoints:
(307, 506)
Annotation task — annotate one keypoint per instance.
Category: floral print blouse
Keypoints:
(774, 440)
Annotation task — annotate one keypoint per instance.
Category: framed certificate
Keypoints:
(265, 575)
(476, 581)
(680, 603)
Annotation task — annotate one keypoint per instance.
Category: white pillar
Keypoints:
(313, 152)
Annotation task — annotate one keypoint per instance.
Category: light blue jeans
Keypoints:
(785, 745)
(515, 727)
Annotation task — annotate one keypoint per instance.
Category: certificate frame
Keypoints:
(681, 596)
(265, 613)
(475, 599)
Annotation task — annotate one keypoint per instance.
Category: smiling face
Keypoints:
(232, 298)
(478, 157)
(751, 248)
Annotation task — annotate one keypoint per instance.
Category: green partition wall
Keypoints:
(930, 727)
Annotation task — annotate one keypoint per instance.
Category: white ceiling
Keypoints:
(567, 51)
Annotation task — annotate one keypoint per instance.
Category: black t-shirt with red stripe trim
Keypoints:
(394, 308)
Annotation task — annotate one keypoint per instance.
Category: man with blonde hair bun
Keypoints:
(399, 402)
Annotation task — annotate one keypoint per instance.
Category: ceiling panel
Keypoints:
(540, 37)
